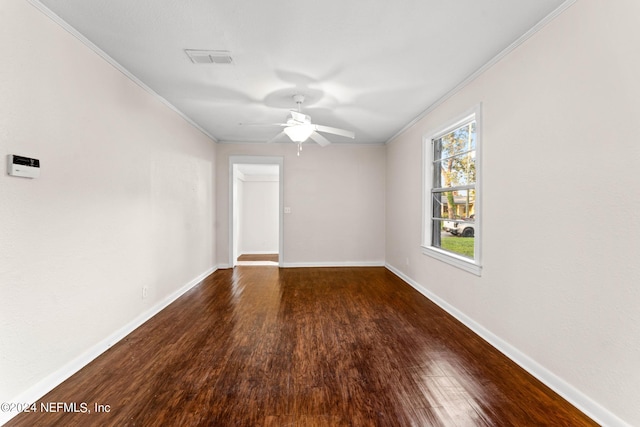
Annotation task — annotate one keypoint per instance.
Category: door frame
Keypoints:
(257, 160)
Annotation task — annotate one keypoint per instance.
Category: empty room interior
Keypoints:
(319, 213)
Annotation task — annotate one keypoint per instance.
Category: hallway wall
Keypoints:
(336, 196)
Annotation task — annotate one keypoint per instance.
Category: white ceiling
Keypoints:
(363, 65)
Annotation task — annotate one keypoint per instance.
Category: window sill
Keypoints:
(452, 259)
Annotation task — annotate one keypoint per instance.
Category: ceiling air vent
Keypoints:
(209, 56)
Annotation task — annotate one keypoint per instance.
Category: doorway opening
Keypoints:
(255, 229)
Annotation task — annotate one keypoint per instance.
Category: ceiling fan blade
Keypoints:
(262, 124)
(299, 117)
(321, 140)
(335, 131)
(276, 137)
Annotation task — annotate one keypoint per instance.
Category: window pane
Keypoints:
(455, 171)
(464, 169)
(464, 203)
(459, 245)
(458, 141)
(453, 204)
(443, 238)
(440, 203)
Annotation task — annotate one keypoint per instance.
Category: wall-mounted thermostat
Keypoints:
(23, 166)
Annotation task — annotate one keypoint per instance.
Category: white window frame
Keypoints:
(471, 265)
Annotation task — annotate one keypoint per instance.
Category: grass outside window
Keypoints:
(459, 245)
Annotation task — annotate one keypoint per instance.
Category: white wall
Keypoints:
(561, 274)
(125, 200)
(336, 195)
(238, 201)
(260, 208)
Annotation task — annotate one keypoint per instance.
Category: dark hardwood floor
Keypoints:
(263, 346)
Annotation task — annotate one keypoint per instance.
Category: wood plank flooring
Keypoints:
(258, 257)
(263, 346)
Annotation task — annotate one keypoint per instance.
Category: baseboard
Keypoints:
(581, 401)
(333, 264)
(44, 386)
(322, 264)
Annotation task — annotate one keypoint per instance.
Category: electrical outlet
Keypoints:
(145, 292)
(287, 210)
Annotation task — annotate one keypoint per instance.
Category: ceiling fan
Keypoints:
(299, 128)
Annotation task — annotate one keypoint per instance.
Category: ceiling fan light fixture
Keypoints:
(299, 133)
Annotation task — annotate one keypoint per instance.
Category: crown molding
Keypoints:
(67, 27)
(513, 46)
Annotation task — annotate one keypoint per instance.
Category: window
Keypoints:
(452, 194)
